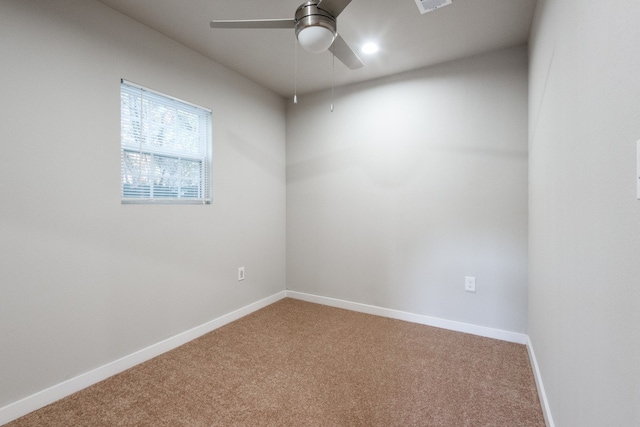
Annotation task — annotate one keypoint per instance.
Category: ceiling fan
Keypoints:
(315, 27)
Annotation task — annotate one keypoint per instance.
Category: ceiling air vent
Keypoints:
(431, 5)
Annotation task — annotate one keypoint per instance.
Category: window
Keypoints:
(165, 148)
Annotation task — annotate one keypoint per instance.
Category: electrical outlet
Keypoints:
(470, 284)
(240, 274)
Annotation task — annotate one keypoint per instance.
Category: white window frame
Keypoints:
(165, 148)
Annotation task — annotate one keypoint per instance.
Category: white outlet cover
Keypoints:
(470, 284)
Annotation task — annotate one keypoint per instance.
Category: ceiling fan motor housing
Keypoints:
(309, 15)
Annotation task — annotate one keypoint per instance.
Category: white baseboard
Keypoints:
(546, 410)
(413, 318)
(45, 397)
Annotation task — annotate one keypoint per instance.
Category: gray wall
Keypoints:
(412, 183)
(85, 280)
(584, 289)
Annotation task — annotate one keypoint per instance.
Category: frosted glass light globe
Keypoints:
(316, 39)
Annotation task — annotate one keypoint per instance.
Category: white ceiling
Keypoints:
(407, 38)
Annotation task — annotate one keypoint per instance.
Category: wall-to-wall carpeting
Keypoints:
(298, 363)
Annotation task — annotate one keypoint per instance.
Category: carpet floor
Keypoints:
(295, 363)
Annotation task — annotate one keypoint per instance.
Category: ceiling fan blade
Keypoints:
(335, 7)
(255, 23)
(343, 52)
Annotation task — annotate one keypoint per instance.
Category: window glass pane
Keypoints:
(165, 148)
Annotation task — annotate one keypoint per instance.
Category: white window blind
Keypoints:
(165, 148)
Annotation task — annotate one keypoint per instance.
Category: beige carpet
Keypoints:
(301, 364)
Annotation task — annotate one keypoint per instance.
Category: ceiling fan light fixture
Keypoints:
(315, 27)
(316, 39)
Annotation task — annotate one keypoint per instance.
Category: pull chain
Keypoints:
(295, 72)
(333, 71)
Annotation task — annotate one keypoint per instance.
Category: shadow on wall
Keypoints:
(388, 164)
(260, 158)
